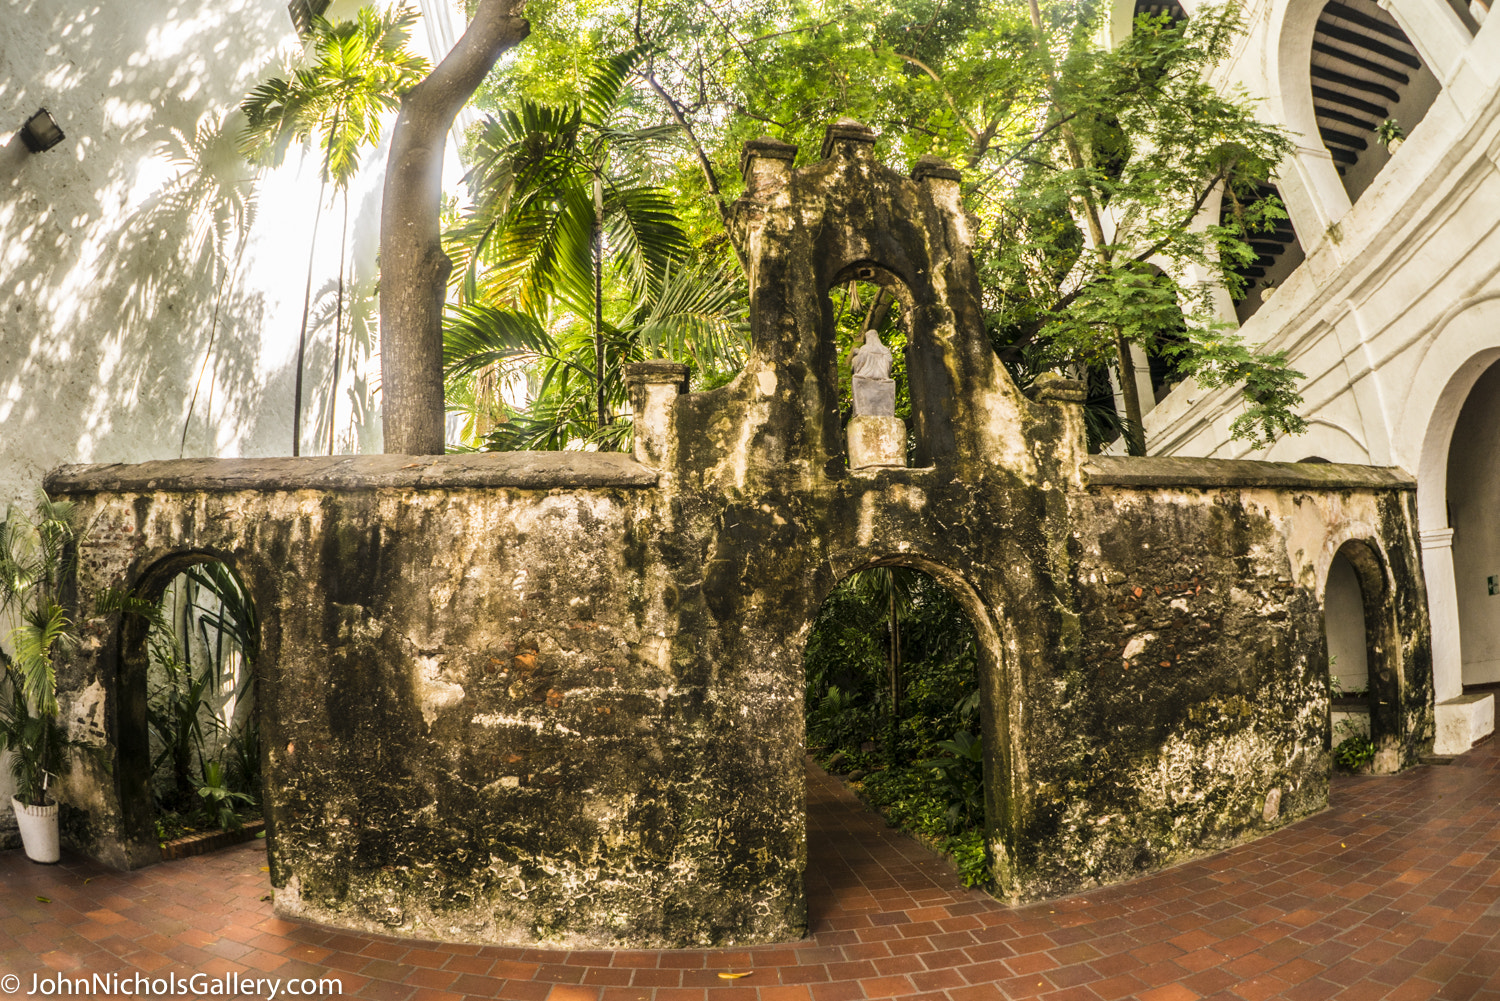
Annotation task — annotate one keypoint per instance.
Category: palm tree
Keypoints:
(696, 315)
(360, 69)
(553, 189)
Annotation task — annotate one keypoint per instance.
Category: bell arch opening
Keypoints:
(865, 297)
(900, 684)
(191, 755)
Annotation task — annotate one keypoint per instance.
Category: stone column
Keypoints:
(654, 385)
(1460, 719)
(1313, 192)
(1442, 608)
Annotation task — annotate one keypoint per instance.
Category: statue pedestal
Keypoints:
(877, 441)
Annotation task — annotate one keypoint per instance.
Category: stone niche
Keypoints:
(557, 698)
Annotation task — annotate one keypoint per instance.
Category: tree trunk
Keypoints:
(598, 251)
(1135, 431)
(338, 328)
(302, 334)
(414, 269)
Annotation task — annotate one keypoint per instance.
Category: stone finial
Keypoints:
(766, 158)
(934, 167)
(849, 134)
(653, 387)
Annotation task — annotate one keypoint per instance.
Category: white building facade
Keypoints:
(1384, 289)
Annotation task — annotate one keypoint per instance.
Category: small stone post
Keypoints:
(653, 387)
(766, 163)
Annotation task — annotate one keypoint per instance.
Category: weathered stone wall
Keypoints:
(559, 697)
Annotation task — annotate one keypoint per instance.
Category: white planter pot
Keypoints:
(38, 826)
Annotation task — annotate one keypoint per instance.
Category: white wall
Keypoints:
(109, 297)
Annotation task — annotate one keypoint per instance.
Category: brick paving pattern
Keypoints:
(1394, 892)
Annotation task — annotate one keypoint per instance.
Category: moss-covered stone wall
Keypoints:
(558, 698)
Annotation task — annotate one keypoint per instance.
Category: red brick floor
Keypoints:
(1394, 892)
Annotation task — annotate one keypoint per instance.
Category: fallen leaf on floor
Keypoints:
(732, 976)
(48, 900)
(266, 897)
(265, 868)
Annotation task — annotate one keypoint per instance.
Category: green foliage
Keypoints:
(1053, 134)
(358, 72)
(960, 774)
(180, 715)
(37, 557)
(212, 767)
(1354, 750)
(1389, 131)
(218, 798)
(572, 263)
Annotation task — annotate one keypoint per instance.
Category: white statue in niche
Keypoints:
(874, 389)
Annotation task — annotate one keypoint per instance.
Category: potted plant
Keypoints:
(36, 556)
(1390, 134)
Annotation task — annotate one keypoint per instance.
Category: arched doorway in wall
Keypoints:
(1364, 696)
(1473, 484)
(190, 754)
(895, 706)
(1365, 71)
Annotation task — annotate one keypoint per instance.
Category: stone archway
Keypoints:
(996, 684)
(135, 779)
(1359, 627)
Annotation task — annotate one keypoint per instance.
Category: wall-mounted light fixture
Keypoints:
(41, 132)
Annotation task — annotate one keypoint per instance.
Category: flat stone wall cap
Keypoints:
(934, 167)
(656, 371)
(1051, 386)
(767, 147)
(519, 470)
(1208, 474)
(845, 129)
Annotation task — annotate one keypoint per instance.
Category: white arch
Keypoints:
(1308, 180)
(1465, 343)
(1324, 438)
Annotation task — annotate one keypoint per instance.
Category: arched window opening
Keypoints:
(191, 750)
(1278, 253)
(893, 705)
(873, 300)
(1473, 486)
(1365, 74)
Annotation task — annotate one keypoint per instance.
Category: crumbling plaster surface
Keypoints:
(558, 697)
